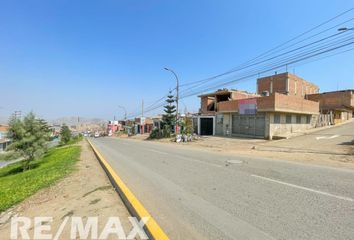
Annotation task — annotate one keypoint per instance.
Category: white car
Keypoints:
(97, 134)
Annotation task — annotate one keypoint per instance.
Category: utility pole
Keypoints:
(17, 114)
(177, 96)
(142, 120)
(142, 108)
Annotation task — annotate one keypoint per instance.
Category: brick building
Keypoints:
(340, 104)
(278, 110)
(285, 83)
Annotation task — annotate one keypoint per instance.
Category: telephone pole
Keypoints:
(142, 108)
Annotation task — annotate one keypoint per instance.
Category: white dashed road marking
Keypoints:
(304, 188)
(323, 137)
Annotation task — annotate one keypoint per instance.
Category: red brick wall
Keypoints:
(276, 103)
(229, 106)
(332, 100)
(295, 104)
(204, 102)
(241, 95)
(297, 85)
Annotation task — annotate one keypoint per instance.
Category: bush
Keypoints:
(65, 135)
(158, 133)
(155, 134)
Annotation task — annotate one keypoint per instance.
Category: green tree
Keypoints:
(169, 118)
(65, 134)
(29, 137)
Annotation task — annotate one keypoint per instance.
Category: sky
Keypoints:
(86, 58)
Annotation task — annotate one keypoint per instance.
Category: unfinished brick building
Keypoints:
(340, 104)
(279, 109)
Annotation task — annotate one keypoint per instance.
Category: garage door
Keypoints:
(206, 126)
(248, 125)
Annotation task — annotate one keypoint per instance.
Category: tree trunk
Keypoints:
(26, 164)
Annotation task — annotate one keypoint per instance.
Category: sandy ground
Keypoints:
(86, 192)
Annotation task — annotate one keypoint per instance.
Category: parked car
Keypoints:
(97, 134)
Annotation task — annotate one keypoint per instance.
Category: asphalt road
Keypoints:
(197, 194)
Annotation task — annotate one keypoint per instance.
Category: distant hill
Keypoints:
(77, 121)
(4, 119)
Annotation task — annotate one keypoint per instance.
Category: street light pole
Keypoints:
(177, 95)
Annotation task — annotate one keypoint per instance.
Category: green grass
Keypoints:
(15, 185)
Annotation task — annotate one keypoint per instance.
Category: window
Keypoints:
(276, 118)
(288, 118)
(308, 119)
(271, 87)
(298, 119)
(220, 119)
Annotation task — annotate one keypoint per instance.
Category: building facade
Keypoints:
(339, 104)
(278, 110)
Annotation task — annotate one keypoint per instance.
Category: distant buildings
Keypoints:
(4, 141)
(338, 104)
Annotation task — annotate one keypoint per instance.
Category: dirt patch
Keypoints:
(87, 193)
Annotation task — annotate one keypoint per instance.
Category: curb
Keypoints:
(134, 206)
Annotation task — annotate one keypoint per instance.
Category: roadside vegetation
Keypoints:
(30, 137)
(41, 166)
(11, 155)
(168, 120)
(16, 185)
(66, 137)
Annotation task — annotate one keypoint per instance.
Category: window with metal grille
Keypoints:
(276, 118)
(308, 119)
(298, 119)
(288, 118)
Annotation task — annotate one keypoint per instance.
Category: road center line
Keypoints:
(156, 151)
(331, 137)
(304, 188)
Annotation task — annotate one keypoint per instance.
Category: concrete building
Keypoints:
(144, 125)
(340, 104)
(113, 126)
(278, 111)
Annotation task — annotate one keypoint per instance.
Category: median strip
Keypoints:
(133, 204)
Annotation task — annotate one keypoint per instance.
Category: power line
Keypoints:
(278, 46)
(270, 69)
(251, 75)
(274, 50)
(297, 52)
